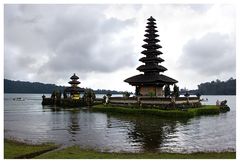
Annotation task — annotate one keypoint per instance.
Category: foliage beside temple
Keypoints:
(176, 113)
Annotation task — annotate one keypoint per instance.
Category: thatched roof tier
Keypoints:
(151, 52)
(151, 30)
(74, 82)
(74, 89)
(151, 68)
(150, 79)
(151, 40)
(151, 23)
(151, 59)
(151, 26)
(74, 77)
(151, 46)
(148, 35)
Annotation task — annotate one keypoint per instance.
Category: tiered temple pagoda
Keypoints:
(74, 91)
(71, 95)
(152, 81)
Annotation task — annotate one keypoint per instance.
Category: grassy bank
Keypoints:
(15, 149)
(191, 112)
(76, 152)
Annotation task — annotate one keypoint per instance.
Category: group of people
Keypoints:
(221, 103)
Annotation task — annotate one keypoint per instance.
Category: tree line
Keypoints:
(218, 87)
(208, 88)
(29, 87)
(11, 86)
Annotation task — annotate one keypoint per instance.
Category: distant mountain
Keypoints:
(217, 87)
(11, 86)
(208, 88)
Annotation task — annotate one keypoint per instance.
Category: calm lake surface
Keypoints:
(29, 121)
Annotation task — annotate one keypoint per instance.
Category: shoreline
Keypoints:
(18, 150)
(175, 113)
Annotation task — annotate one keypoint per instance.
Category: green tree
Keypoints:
(109, 94)
(187, 94)
(176, 90)
(89, 96)
(137, 91)
(126, 94)
(167, 90)
(54, 94)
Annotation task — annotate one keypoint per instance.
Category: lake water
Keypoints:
(29, 121)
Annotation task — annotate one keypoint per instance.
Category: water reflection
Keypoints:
(73, 125)
(144, 133)
(150, 132)
(65, 119)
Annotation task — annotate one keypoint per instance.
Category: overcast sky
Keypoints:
(102, 43)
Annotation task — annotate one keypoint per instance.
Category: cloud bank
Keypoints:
(102, 43)
(212, 54)
(47, 41)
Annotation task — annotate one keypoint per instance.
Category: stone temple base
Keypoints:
(161, 102)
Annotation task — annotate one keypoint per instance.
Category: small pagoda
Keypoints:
(152, 81)
(74, 91)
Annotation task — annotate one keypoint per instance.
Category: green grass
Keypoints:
(191, 112)
(14, 149)
(205, 110)
(76, 152)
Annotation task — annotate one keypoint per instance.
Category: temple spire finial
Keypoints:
(151, 19)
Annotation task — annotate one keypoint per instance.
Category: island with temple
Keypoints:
(71, 95)
(152, 89)
(153, 94)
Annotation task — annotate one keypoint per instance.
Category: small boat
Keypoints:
(18, 99)
(204, 99)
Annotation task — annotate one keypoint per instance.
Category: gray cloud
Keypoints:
(200, 8)
(47, 43)
(51, 39)
(211, 55)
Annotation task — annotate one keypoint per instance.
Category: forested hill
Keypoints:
(28, 87)
(218, 87)
(11, 86)
(209, 88)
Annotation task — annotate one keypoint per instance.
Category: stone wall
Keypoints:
(160, 101)
(151, 90)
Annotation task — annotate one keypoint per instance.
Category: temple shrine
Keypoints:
(74, 91)
(152, 81)
(71, 95)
